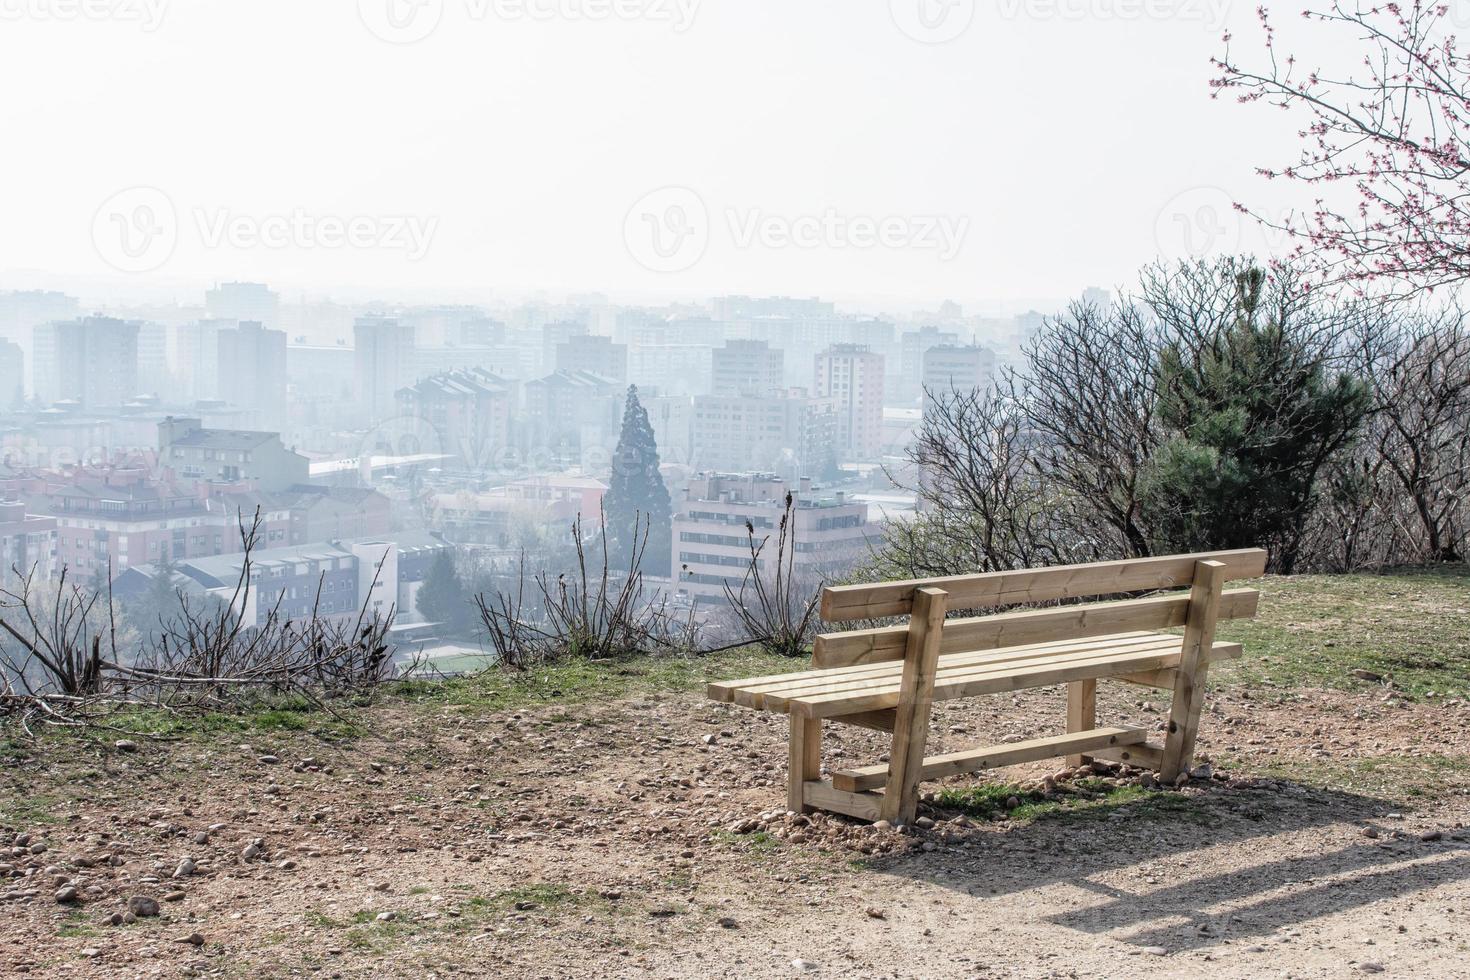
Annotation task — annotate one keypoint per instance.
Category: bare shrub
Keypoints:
(775, 607)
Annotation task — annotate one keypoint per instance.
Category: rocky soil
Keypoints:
(648, 837)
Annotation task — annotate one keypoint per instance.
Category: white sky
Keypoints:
(1059, 136)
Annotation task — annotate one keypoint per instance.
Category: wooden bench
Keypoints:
(887, 678)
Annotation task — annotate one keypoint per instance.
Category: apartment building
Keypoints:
(851, 376)
(711, 547)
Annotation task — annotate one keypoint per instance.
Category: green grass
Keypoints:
(1399, 779)
(1410, 627)
(1087, 798)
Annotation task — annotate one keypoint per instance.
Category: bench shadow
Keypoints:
(1198, 911)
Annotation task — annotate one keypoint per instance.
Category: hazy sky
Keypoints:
(647, 148)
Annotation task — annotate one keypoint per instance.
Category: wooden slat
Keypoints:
(994, 756)
(1030, 626)
(1161, 679)
(721, 690)
(915, 699)
(779, 699)
(1145, 756)
(870, 601)
(863, 806)
(770, 696)
(988, 682)
(1194, 661)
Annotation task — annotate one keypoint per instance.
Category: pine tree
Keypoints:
(637, 497)
(442, 599)
(1253, 414)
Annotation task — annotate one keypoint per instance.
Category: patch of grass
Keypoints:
(1085, 798)
(75, 926)
(756, 842)
(25, 809)
(1411, 627)
(1399, 779)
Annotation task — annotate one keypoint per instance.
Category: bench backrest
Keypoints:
(989, 589)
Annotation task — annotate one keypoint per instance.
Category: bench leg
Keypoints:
(1081, 713)
(805, 762)
(1189, 682)
(915, 698)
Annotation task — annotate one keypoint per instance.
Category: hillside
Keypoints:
(606, 820)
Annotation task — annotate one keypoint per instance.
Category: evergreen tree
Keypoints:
(637, 497)
(442, 598)
(1252, 414)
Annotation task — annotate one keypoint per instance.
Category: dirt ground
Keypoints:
(627, 839)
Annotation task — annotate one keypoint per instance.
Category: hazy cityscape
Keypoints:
(136, 439)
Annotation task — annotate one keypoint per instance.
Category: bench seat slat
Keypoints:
(994, 756)
(995, 681)
(777, 699)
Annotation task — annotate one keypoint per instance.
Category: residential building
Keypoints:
(570, 411)
(383, 363)
(912, 347)
(254, 375)
(593, 354)
(92, 361)
(851, 376)
(951, 369)
(27, 544)
(252, 301)
(469, 410)
(782, 431)
(746, 367)
(711, 548)
(195, 454)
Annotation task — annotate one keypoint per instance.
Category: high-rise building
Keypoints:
(778, 431)
(851, 376)
(243, 301)
(950, 369)
(255, 376)
(23, 311)
(596, 354)
(383, 363)
(912, 346)
(153, 376)
(196, 358)
(92, 361)
(746, 367)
